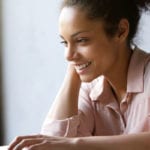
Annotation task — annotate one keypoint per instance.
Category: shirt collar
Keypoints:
(101, 90)
(98, 88)
(135, 78)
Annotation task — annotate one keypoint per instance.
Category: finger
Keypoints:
(27, 143)
(20, 138)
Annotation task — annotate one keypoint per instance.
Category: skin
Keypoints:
(87, 43)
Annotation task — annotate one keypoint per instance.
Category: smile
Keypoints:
(83, 66)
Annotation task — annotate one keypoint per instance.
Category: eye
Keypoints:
(82, 40)
(64, 43)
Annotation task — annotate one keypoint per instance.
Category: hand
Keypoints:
(41, 142)
(72, 72)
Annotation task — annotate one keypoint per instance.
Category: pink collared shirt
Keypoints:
(101, 114)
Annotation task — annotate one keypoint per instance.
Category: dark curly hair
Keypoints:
(112, 11)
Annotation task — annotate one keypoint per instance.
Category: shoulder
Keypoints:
(147, 74)
(142, 57)
(147, 65)
(147, 70)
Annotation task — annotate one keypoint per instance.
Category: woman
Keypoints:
(104, 102)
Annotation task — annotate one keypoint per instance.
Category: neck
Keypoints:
(118, 75)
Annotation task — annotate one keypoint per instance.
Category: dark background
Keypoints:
(1, 89)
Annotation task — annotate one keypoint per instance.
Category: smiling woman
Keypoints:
(88, 39)
(104, 101)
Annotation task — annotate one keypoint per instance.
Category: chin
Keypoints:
(87, 78)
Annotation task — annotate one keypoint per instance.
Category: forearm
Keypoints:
(66, 101)
(120, 142)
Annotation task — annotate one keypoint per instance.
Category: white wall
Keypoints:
(143, 37)
(33, 62)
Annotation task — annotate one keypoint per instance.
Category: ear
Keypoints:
(123, 29)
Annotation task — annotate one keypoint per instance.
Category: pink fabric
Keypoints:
(99, 111)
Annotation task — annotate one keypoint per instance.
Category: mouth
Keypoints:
(82, 67)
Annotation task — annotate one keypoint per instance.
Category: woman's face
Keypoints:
(87, 47)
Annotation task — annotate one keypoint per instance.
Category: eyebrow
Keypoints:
(77, 33)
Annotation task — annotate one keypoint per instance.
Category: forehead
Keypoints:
(72, 18)
(71, 13)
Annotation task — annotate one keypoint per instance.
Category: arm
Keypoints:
(67, 117)
(66, 102)
(139, 141)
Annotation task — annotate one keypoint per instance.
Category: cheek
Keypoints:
(86, 52)
(104, 60)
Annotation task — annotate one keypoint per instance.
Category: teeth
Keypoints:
(83, 66)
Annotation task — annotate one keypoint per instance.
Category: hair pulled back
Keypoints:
(112, 11)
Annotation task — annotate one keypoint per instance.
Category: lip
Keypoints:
(82, 68)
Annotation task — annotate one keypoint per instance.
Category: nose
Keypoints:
(70, 53)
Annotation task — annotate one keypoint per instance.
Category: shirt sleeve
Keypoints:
(75, 126)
